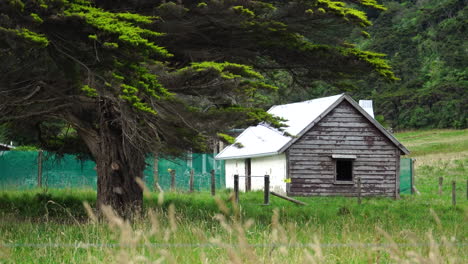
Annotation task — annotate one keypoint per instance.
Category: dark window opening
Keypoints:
(344, 170)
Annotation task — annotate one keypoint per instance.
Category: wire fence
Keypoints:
(27, 169)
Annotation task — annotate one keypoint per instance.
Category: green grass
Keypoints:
(47, 227)
(422, 143)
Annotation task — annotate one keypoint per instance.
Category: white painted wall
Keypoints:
(233, 167)
(275, 166)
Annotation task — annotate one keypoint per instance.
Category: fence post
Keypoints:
(266, 196)
(441, 180)
(155, 171)
(359, 189)
(39, 169)
(454, 193)
(191, 180)
(412, 175)
(236, 188)
(213, 183)
(173, 175)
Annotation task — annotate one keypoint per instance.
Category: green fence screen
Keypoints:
(19, 170)
(406, 176)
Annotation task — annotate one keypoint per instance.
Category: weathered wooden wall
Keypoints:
(343, 131)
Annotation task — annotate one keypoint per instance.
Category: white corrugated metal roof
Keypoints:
(262, 140)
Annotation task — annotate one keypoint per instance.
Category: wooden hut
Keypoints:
(327, 145)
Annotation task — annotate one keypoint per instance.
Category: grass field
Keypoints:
(54, 227)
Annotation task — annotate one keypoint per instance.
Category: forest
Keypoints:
(426, 45)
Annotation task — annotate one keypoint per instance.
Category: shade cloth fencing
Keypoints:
(19, 170)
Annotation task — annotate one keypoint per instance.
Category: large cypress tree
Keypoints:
(127, 78)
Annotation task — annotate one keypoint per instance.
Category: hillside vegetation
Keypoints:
(426, 44)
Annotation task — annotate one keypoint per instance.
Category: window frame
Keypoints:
(337, 158)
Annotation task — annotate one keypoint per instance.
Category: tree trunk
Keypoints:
(118, 164)
(117, 170)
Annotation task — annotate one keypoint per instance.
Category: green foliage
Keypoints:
(226, 70)
(226, 138)
(201, 5)
(243, 11)
(36, 18)
(18, 4)
(25, 148)
(130, 94)
(425, 42)
(365, 34)
(30, 36)
(91, 92)
(121, 24)
(110, 45)
(375, 59)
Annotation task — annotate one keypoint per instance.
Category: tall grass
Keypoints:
(55, 226)
(194, 228)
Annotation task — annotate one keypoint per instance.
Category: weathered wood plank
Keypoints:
(356, 166)
(377, 160)
(345, 129)
(351, 194)
(288, 198)
(341, 124)
(332, 177)
(349, 137)
(375, 168)
(342, 142)
(373, 163)
(339, 146)
(309, 175)
(341, 132)
(329, 152)
(336, 195)
(359, 119)
(332, 180)
(304, 158)
(374, 155)
(320, 168)
(343, 109)
(341, 188)
(344, 114)
(375, 172)
(360, 158)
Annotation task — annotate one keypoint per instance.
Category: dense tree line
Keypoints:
(427, 46)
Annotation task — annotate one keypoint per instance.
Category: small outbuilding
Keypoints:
(327, 145)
